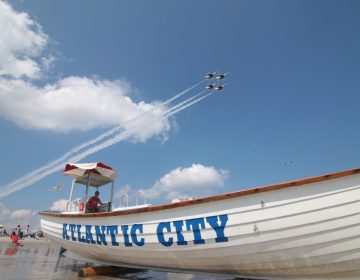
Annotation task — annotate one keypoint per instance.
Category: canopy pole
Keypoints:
(87, 187)
(111, 195)
(71, 194)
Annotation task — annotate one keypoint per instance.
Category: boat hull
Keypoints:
(301, 231)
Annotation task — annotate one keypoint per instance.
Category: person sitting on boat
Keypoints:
(14, 238)
(92, 204)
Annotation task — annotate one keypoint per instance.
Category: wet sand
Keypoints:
(40, 259)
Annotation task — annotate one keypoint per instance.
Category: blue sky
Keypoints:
(290, 108)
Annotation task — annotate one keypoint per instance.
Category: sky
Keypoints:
(122, 82)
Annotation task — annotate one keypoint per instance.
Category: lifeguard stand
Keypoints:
(91, 175)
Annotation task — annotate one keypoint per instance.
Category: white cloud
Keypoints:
(120, 196)
(126, 189)
(47, 62)
(78, 103)
(197, 180)
(3, 211)
(59, 205)
(23, 217)
(22, 214)
(81, 103)
(22, 39)
(72, 103)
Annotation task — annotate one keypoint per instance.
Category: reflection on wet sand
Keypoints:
(42, 261)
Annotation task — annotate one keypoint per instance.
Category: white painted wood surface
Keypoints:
(303, 232)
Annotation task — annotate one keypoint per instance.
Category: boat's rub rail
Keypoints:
(216, 197)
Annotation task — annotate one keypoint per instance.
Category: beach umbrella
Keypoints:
(12, 229)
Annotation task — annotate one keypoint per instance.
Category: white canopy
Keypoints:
(92, 174)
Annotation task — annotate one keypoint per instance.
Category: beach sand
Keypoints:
(6, 239)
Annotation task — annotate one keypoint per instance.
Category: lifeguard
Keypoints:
(91, 205)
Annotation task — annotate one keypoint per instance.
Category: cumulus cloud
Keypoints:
(72, 103)
(83, 103)
(59, 205)
(47, 62)
(20, 216)
(126, 189)
(197, 180)
(22, 40)
(22, 213)
(78, 103)
(119, 196)
(3, 211)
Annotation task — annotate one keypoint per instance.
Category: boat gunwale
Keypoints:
(230, 195)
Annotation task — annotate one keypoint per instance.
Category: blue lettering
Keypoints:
(134, 228)
(132, 234)
(100, 234)
(194, 225)
(65, 235)
(89, 236)
(219, 229)
(124, 229)
(81, 238)
(160, 233)
(113, 230)
(72, 228)
(180, 237)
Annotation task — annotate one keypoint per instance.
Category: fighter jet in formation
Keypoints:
(216, 75)
(210, 76)
(222, 76)
(215, 87)
(210, 86)
(219, 77)
(219, 87)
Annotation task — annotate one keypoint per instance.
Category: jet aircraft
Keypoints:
(210, 76)
(210, 86)
(222, 76)
(219, 87)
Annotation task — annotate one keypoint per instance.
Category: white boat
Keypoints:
(304, 229)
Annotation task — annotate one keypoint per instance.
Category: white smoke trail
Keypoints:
(119, 127)
(64, 157)
(28, 180)
(124, 135)
(184, 102)
(182, 93)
